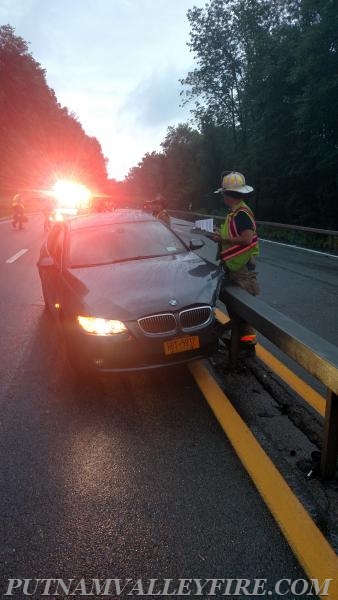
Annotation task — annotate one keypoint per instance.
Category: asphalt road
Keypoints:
(129, 477)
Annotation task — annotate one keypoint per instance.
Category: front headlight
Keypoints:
(98, 326)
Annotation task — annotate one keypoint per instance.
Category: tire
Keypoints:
(79, 365)
(47, 306)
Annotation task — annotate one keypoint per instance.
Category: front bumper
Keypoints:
(110, 354)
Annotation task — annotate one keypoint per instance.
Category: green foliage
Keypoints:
(39, 139)
(265, 92)
(299, 238)
(147, 179)
(178, 173)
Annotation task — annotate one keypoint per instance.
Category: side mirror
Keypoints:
(195, 244)
(46, 262)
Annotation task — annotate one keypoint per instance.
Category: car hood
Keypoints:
(136, 288)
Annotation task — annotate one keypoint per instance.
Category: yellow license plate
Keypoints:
(183, 344)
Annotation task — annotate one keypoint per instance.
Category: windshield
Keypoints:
(121, 241)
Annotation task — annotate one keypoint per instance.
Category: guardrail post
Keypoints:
(330, 438)
(234, 341)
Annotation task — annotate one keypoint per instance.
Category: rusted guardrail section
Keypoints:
(316, 355)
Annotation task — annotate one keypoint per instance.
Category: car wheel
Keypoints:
(78, 364)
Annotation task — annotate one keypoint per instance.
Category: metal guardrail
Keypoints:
(327, 236)
(330, 233)
(316, 355)
(299, 228)
(189, 214)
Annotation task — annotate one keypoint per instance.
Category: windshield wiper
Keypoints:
(87, 265)
(147, 256)
(111, 262)
(120, 260)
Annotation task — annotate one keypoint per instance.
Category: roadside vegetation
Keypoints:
(316, 241)
(263, 95)
(324, 242)
(39, 139)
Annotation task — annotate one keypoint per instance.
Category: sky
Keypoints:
(115, 63)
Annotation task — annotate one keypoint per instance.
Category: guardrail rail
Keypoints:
(330, 234)
(318, 356)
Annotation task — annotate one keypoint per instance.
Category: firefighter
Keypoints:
(18, 212)
(159, 210)
(238, 241)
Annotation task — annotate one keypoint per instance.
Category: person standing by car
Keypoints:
(159, 210)
(48, 209)
(18, 209)
(239, 243)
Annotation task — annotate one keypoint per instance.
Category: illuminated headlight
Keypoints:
(98, 326)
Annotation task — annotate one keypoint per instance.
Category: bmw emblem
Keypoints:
(172, 302)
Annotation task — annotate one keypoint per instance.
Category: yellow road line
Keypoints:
(296, 383)
(313, 552)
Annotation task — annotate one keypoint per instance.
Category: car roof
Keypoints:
(122, 215)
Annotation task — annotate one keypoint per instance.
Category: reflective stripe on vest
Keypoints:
(236, 256)
(248, 338)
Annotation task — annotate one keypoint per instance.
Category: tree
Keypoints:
(315, 77)
(147, 179)
(39, 140)
(184, 166)
(266, 83)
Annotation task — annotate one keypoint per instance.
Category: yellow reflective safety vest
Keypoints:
(163, 216)
(235, 256)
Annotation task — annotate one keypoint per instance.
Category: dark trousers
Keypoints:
(246, 279)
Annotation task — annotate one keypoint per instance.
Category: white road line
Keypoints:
(17, 255)
(299, 248)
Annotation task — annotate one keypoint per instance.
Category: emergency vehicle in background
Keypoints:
(66, 199)
(70, 198)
